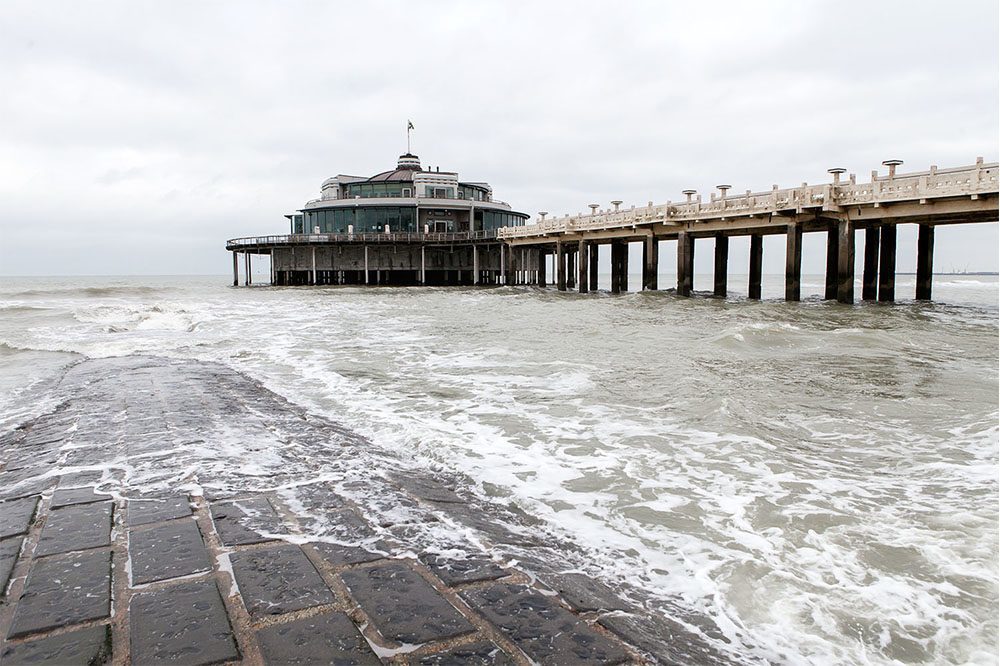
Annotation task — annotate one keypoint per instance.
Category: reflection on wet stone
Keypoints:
(84, 647)
(144, 511)
(167, 551)
(278, 580)
(483, 653)
(330, 638)
(15, 516)
(76, 528)
(243, 522)
(64, 591)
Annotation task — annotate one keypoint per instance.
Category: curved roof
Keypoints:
(395, 174)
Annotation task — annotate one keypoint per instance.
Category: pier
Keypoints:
(523, 254)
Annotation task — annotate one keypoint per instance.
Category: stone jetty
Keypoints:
(165, 511)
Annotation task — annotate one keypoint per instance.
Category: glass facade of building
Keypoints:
(363, 219)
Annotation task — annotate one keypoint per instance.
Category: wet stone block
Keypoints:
(242, 522)
(80, 479)
(463, 569)
(143, 512)
(404, 606)
(76, 528)
(70, 496)
(324, 639)
(16, 515)
(64, 591)
(278, 580)
(584, 593)
(337, 555)
(181, 624)
(76, 648)
(167, 551)
(668, 641)
(483, 653)
(9, 550)
(545, 631)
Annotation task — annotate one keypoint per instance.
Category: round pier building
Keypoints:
(405, 226)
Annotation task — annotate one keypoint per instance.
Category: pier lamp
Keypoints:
(593, 208)
(616, 204)
(836, 171)
(542, 214)
(689, 193)
(892, 164)
(723, 189)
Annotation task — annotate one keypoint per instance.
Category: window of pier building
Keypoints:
(363, 219)
(374, 190)
(471, 193)
(495, 219)
(436, 192)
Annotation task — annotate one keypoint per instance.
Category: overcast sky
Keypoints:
(136, 137)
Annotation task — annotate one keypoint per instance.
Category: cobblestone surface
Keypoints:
(177, 512)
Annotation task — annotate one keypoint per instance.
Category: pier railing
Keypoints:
(367, 237)
(974, 180)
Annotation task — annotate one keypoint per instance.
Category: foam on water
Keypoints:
(819, 480)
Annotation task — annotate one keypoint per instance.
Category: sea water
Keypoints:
(818, 480)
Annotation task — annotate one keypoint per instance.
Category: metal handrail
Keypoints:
(365, 237)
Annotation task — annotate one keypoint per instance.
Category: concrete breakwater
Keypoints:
(179, 511)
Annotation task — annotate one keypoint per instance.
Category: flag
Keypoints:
(409, 125)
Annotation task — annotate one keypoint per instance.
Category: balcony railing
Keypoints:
(366, 237)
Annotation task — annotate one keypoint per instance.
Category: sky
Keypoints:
(136, 137)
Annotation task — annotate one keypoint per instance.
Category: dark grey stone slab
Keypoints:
(483, 653)
(76, 528)
(338, 555)
(324, 639)
(84, 647)
(357, 541)
(167, 551)
(143, 512)
(70, 496)
(181, 624)
(544, 630)
(427, 489)
(667, 640)
(242, 522)
(64, 591)
(584, 593)
(9, 550)
(464, 569)
(16, 515)
(278, 580)
(91, 477)
(404, 606)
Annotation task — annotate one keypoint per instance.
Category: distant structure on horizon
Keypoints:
(401, 227)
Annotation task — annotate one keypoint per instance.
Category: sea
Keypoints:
(819, 481)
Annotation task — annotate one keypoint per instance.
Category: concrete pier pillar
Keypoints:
(422, 276)
(623, 258)
(616, 267)
(314, 266)
(475, 264)
(650, 263)
(793, 263)
(925, 261)
(756, 265)
(503, 263)
(543, 258)
(832, 257)
(685, 264)
(570, 267)
(845, 261)
(274, 273)
(247, 269)
(721, 265)
(236, 269)
(887, 264)
(366, 264)
(584, 266)
(869, 274)
(592, 262)
(560, 266)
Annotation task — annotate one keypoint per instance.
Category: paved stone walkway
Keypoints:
(174, 512)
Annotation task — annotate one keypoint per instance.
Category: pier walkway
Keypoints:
(169, 511)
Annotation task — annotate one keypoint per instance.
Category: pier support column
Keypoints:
(570, 268)
(623, 271)
(616, 267)
(925, 261)
(560, 267)
(366, 264)
(274, 273)
(887, 264)
(314, 266)
(845, 261)
(503, 263)
(793, 263)
(756, 265)
(832, 257)
(423, 265)
(236, 269)
(869, 274)
(721, 265)
(685, 263)
(543, 258)
(592, 262)
(247, 269)
(475, 264)
(583, 252)
(650, 263)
